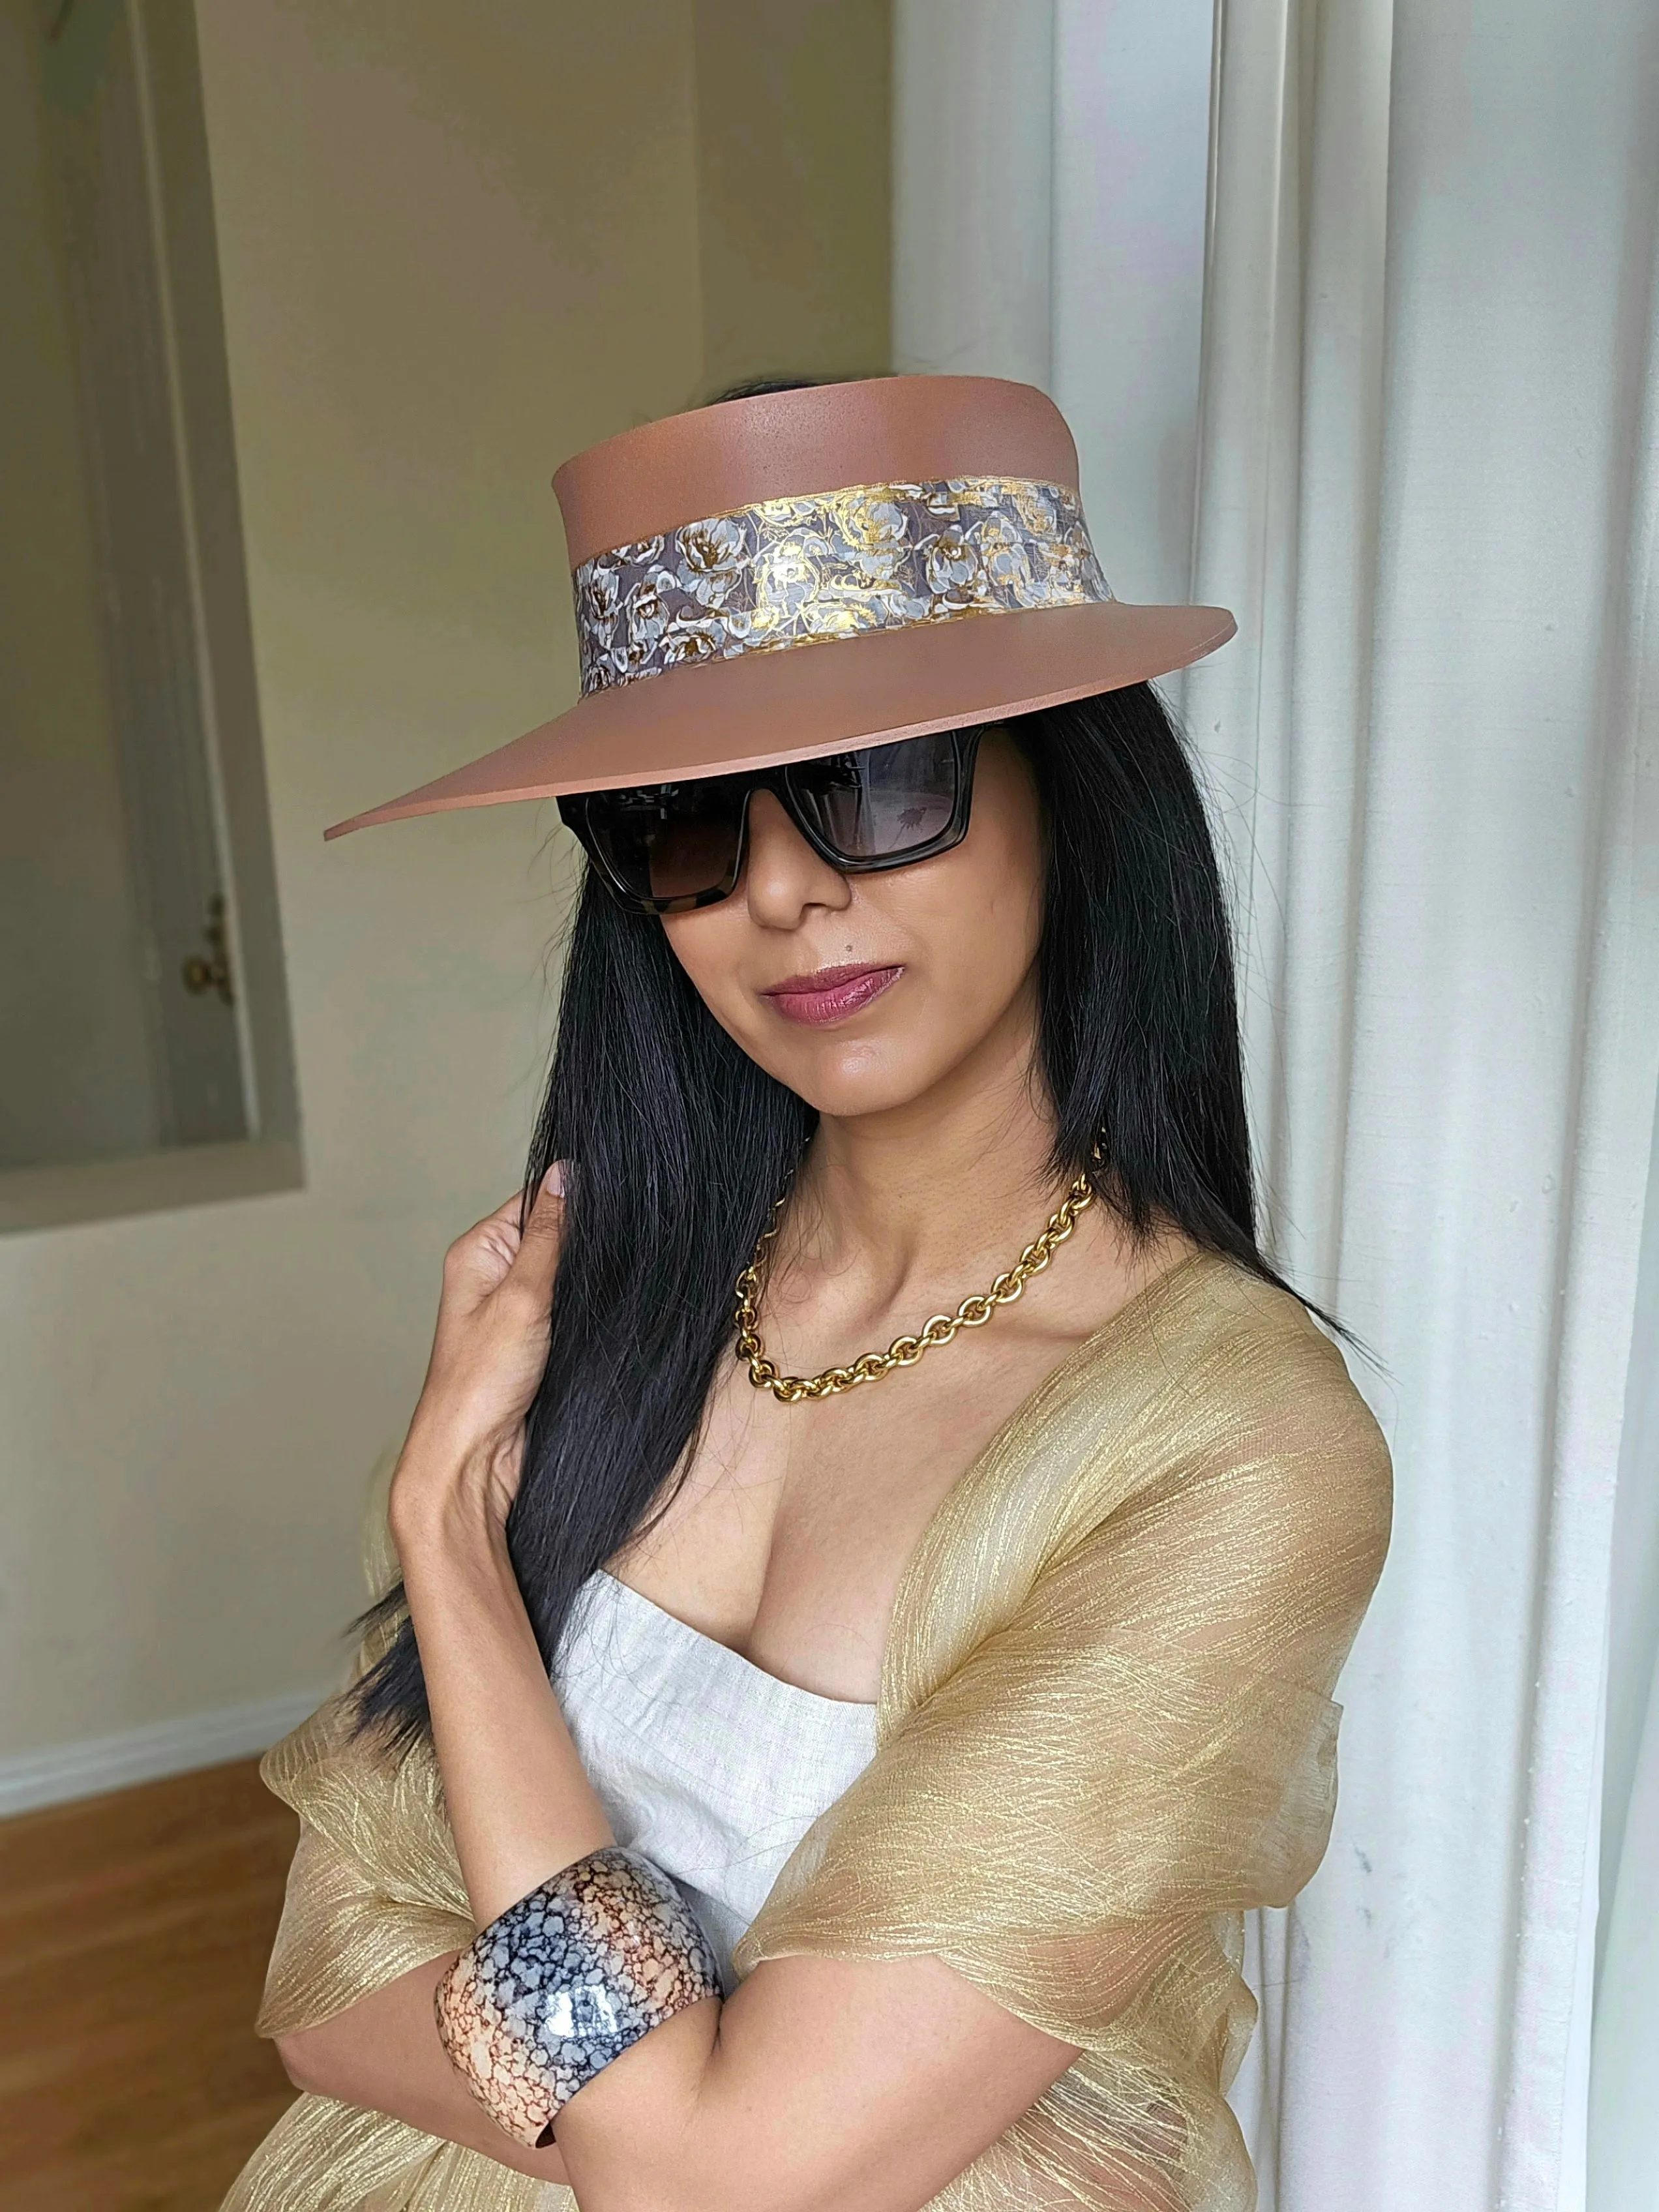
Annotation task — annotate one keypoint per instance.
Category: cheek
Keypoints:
(709, 945)
(983, 940)
(987, 897)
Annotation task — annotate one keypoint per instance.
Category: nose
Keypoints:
(783, 877)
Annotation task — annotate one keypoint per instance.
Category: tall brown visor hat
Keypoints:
(774, 579)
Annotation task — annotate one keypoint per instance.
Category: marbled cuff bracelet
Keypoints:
(564, 1981)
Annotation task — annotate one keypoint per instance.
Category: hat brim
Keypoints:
(761, 710)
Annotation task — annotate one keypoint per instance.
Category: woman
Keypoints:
(920, 1720)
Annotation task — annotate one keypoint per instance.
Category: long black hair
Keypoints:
(678, 1144)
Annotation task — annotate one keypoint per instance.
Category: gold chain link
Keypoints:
(904, 1350)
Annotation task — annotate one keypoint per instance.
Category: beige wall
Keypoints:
(793, 105)
(457, 243)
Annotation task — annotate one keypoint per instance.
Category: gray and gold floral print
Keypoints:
(795, 571)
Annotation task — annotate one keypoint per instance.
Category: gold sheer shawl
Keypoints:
(1105, 1732)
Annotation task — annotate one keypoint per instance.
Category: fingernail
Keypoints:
(553, 1181)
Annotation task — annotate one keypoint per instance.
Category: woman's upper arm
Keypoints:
(864, 2086)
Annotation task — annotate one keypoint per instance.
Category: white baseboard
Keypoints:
(88, 1769)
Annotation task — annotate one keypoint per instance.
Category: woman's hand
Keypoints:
(465, 1446)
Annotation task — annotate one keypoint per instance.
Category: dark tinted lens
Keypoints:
(881, 802)
(671, 840)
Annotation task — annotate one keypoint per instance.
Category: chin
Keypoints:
(851, 1077)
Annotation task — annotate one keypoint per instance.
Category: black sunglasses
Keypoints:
(667, 848)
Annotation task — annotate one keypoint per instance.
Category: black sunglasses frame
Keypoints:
(964, 744)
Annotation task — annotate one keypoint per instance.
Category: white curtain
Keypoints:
(1426, 477)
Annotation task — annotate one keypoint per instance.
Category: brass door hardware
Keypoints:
(213, 973)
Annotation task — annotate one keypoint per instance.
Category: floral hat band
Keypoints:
(797, 571)
(797, 620)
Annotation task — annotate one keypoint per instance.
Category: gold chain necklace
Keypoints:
(904, 1350)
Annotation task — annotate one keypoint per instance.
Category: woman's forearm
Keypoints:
(383, 2053)
(519, 1804)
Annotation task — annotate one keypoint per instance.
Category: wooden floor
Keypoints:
(134, 1931)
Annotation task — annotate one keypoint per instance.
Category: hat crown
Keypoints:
(823, 438)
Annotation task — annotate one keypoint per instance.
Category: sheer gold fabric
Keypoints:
(1105, 1731)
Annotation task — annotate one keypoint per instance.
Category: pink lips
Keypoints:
(829, 994)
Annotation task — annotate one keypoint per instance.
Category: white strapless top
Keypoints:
(710, 1766)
